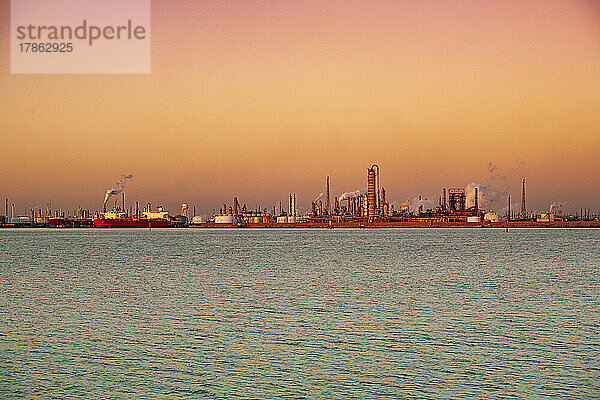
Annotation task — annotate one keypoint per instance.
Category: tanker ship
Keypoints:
(149, 219)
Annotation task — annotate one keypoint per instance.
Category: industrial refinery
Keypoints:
(362, 208)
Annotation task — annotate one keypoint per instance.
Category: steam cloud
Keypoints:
(495, 191)
(417, 201)
(494, 174)
(121, 183)
(351, 195)
(557, 208)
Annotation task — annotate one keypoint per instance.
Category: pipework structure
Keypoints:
(373, 205)
(457, 200)
(292, 205)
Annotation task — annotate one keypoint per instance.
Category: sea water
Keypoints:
(300, 313)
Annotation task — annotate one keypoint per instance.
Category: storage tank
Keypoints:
(224, 219)
(547, 217)
(492, 217)
(22, 220)
(282, 220)
(196, 220)
(291, 220)
(473, 219)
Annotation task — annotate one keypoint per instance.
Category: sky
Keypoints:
(258, 99)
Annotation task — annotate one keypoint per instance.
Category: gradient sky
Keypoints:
(260, 98)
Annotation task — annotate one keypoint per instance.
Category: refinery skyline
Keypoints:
(491, 195)
(472, 206)
(260, 99)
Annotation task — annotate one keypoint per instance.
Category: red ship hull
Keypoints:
(58, 222)
(70, 223)
(131, 223)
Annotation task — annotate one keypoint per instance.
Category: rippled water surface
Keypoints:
(342, 313)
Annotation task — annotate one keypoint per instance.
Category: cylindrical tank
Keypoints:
(224, 219)
(196, 220)
(473, 219)
(492, 217)
(291, 220)
(282, 220)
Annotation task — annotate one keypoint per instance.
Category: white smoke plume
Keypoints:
(417, 201)
(351, 195)
(498, 174)
(492, 194)
(120, 185)
(488, 195)
(494, 173)
(556, 208)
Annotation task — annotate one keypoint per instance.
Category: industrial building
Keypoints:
(359, 208)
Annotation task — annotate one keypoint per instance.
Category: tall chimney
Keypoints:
(444, 199)
(123, 195)
(523, 207)
(327, 205)
(476, 200)
(508, 215)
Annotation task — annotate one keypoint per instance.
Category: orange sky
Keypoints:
(260, 99)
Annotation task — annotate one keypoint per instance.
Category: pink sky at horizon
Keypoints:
(258, 99)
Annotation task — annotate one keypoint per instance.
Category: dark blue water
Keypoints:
(397, 313)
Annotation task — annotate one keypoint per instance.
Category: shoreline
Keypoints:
(374, 225)
(354, 225)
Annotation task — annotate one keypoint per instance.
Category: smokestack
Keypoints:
(6, 206)
(327, 195)
(508, 215)
(137, 209)
(444, 199)
(123, 195)
(116, 190)
(523, 207)
(476, 200)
